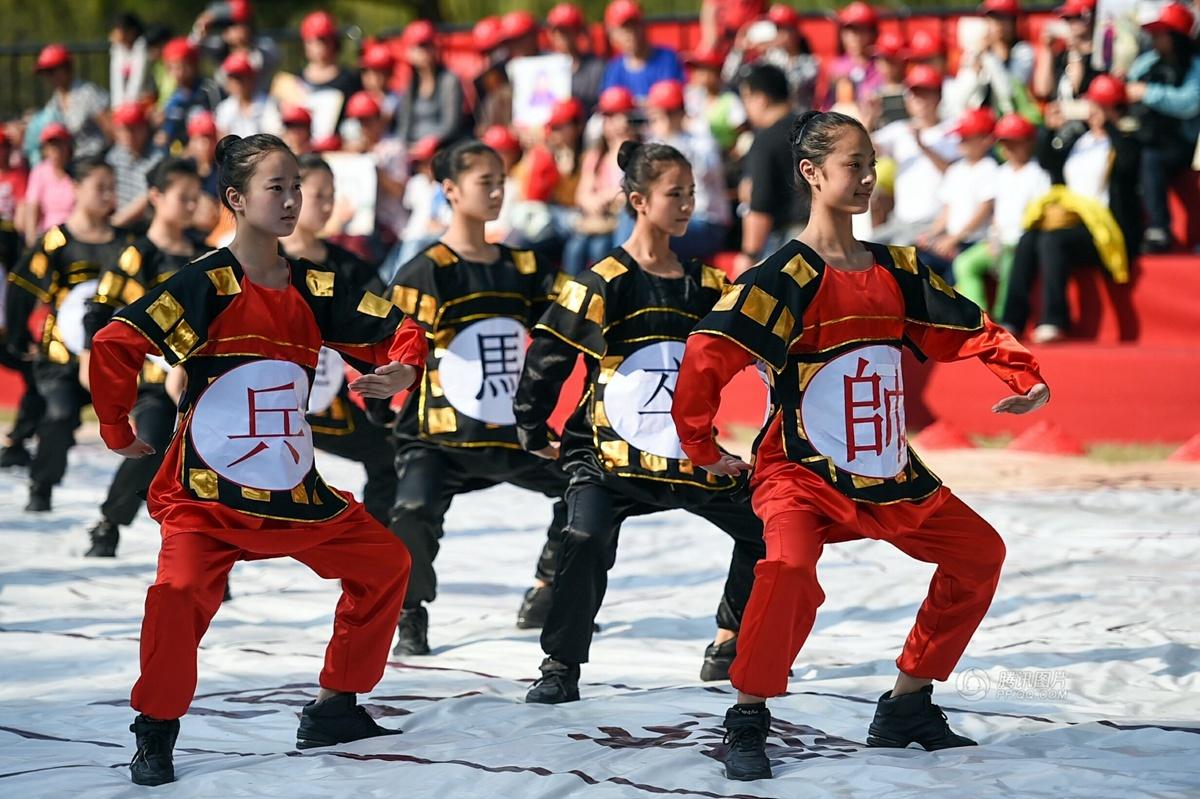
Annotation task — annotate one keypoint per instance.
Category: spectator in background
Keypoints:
(774, 213)
(506, 145)
(159, 84)
(193, 93)
(712, 215)
(377, 66)
(1091, 216)
(778, 40)
(297, 129)
(710, 102)
(548, 177)
(433, 106)
(853, 78)
(493, 92)
(246, 110)
(128, 78)
(202, 148)
(637, 64)
(391, 172)
(520, 32)
(566, 28)
(998, 76)
(50, 194)
(722, 20)
(225, 28)
(428, 210)
(78, 105)
(14, 178)
(322, 72)
(887, 106)
(1164, 90)
(131, 158)
(1063, 68)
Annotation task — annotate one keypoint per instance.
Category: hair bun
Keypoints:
(625, 155)
(224, 144)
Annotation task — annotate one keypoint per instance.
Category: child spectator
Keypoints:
(391, 171)
(493, 91)
(520, 32)
(14, 178)
(566, 29)
(1063, 68)
(506, 145)
(774, 213)
(428, 210)
(888, 104)
(202, 149)
(637, 64)
(79, 105)
(709, 102)
(548, 177)
(131, 158)
(192, 93)
(322, 72)
(853, 76)
(50, 194)
(297, 129)
(997, 76)
(128, 77)
(227, 27)
(246, 111)
(787, 49)
(376, 68)
(433, 106)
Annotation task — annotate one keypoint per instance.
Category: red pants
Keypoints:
(192, 569)
(786, 595)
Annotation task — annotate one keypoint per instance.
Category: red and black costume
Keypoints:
(238, 480)
(833, 462)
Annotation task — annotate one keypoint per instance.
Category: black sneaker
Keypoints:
(337, 720)
(717, 660)
(104, 540)
(14, 455)
(535, 607)
(559, 683)
(746, 728)
(414, 632)
(39, 498)
(903, 719)
(154, 763)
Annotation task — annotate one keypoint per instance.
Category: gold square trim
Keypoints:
(39, 265)
(53, 239)
(405, 298)
(614, 453)
(441, 420)
(203, 483)
(800, 270)
(299, 495)
(319, 282)
(165, 311)
(904, 257)
(256, 494)
(525, 261)
(727, 302)
(609, 268)
(712, 278)
(427, 311)
(182, 339)
(441, 255)
(130, 261)
(653, 463)
(595, 310)
(372, 304)
(224, 281)
(572, 296)
(759, 305)
(784, 325)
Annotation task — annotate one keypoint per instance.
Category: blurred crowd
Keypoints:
(1027, 159)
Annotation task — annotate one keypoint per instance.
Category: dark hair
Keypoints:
(311, 162)
(128, 21)
(643, 164)
(1184, 49)
(79, 168)
(450, 162)
(814, 135)
(237, 158)
(168, 169)
(767, 79)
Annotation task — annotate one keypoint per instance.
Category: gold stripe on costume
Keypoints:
(614, 453)
(729, 300)
(653, 463)
(299, 495)
(435, 383)
(39, 264)
(405, 298)
(712, 278)
(130, 261)
(759, 305)
(783, 325)
(165, 311)
(427, 311)
(572, 296)
(525, 261)
(441, 255)
(320, 283)
(904, 257)
(609, 268)
(441, 420)
(203, 483)
(599, 416)
(182, 339)
(805, 373)
(799, 270)
(57, 352)
(256, 494)
(595, 311)
(865, 482)
(372, 304)
(224, 281)
(941, 285)
(132, 292)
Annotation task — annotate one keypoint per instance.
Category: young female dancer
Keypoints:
(174, 191)
(476, 302)
(828, 315)
(339, 425)
(62, 268)
(238, 480)
(629, 316)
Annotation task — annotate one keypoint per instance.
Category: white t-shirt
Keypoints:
(261, 116)
(1087, 167)
(1015, 190)
(712, 203)
(964, 188)
(917, 179)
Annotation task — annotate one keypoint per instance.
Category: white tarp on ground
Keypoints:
(1082, 681)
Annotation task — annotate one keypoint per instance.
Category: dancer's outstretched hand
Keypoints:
(728, 466)
(385, 381)
(1038, 396)
(138, 449)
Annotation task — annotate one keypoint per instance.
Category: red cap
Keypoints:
(1106, 90)
(923, 45)
(419, 32)
(53, 56)
(423, 149)
(923, 76)
(1014, 126)
(361, 106)
(180, 49)
(706, 58)
(327, 144)
(1076, 8)
(889, 44)
(201, 124)
(318, 25)
(501, 139)
(784, 16)
(296, 115)
(622, 12)
(238, 64)
(565, 15)
(488, 34)
(564, 112)
(858, 14)
(129, 114)
(616, 100)
(55, 131)
(516, 24)
(1173, 17)
(666, 95)
(240, 11)
(378, 56)
(976, 122)
(1001, 8)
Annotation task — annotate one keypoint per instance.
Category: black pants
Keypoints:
(154, 419)
(597, 504)
(372, 447)
(64, 397)
(1052, 254)
(432, 476)
(1161, 162)
(31, 407)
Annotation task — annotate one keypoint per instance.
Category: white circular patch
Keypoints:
(327, 382)
(637, 399)
(70, 314)
(249, 425)
(481, 367)
(853, 412)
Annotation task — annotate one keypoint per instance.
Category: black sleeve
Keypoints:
(18, 307)
(578, 315)
(764, 191)
(548, 364)
(346, 315)
(32, 281)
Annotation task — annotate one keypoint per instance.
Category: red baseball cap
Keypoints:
(180, 49)
(327, 144)
(1001, 8)
(565, 15)
(666, 95)
(859, 15)
(889, 44)
(423, 149)
(55, 131)
(53, 56)
(1014, 126)
(706, 58)
(516, 24)
(976, 122)
(1173, 17)
(923, 76)
(361, 106)
(378, 57)
(616, 100)
(129, 114)
(501, 139)
(783, 16)
(1076, 8)
(622, 12)
(923, 45)
(296, 116)
(238, 65)
(318, 25)
(201, 124)
(565, 112)
(419, 32)
(240, 11)
(488, 34)
(1106, 90)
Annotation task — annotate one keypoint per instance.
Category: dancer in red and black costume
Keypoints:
(238, 480)
(828, 315)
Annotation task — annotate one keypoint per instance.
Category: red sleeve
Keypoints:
(407, 346)
(543, 175)
(709, 363)
(994, 345)
(118, 352)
